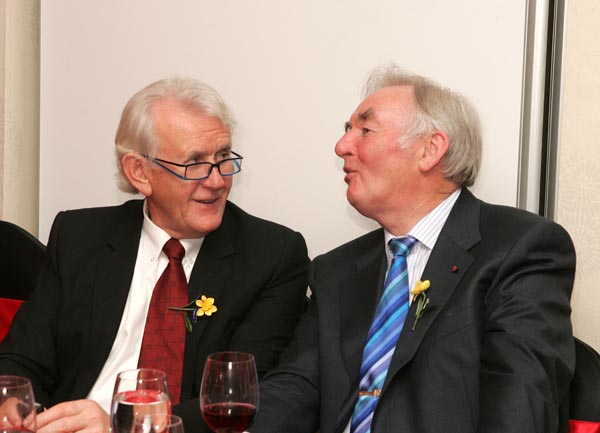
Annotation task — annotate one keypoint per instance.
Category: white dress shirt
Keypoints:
(149, 266)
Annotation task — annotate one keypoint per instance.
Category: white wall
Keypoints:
(292, 73)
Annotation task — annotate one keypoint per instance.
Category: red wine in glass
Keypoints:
(229, 391)
(229, 417)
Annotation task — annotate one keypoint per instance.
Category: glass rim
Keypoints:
(150, 374)
(230, 356)
(13, 381)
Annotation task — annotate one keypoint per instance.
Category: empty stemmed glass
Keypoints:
(17, 405)
(138, 392)
(229, 391)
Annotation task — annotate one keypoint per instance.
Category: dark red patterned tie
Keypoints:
(164, 336)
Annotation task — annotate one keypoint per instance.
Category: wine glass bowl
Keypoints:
(17, 405)
(229, 391)
(138, 392)
(154, 423)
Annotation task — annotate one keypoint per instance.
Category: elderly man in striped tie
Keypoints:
(454, 316)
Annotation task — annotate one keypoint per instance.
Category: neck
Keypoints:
(399, 220)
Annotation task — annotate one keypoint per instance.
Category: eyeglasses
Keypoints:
(202, 170)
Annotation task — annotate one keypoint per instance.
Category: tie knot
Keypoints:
(173, 249)
(402, 246)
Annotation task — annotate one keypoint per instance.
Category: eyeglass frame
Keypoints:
(158, 162)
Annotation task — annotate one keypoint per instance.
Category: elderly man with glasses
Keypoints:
(160, 282)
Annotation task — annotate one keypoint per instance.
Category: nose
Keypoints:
(345, 145)
(214, 179)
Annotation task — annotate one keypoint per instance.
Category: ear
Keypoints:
(434, 149)
(136, 170)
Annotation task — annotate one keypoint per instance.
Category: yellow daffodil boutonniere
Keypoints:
(421, 299)
(201, 306)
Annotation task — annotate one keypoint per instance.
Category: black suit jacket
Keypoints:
(255, 270)
(494, 354)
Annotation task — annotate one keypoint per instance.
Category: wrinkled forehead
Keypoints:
(393, 100)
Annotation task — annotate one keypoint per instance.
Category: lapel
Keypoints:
(358, 300)
(459, 234)
(110, 283)
(358, 297)
(211, 271)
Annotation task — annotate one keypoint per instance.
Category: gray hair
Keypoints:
(136, 128)
(441, 109)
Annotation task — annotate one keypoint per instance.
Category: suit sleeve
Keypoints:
(527, 354)
(271, 318)
(28, 349)
(289, 394)
(270, 321)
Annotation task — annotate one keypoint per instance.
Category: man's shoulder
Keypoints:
(102, 213)
(501, 223)
(88, 223)
(504, 217)
(496, 215)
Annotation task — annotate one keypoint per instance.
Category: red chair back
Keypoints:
(21, 257)
(583, 426)
(584, 407)
(8, 309)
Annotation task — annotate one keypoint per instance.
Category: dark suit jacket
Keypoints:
(255, 270)
(494, 355)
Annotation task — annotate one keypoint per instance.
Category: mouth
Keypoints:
(349, 174)
(208, 201)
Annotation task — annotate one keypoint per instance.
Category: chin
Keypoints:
(353, 200)
(361, 207)
(207, 225)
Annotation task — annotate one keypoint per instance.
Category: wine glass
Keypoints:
(229, 391)
(138, 392)
(153, 423)
(17, 405)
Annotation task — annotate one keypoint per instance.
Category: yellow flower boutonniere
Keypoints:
(422, 300)
(201, 306)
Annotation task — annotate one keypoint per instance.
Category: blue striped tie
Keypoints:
(383, 335)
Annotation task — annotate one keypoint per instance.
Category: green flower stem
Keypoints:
(184, 313)
(422, 308)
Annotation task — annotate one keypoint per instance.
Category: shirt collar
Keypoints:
(156, 238)
(428, 229)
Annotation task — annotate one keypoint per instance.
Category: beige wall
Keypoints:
(578, 200)
(291, 90)
(19, 112)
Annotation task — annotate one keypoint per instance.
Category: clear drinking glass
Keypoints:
(153, 423)
(138, 392)
(229, 391)
(17, 405)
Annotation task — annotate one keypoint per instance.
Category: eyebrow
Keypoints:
(204, 155)
(364, 116)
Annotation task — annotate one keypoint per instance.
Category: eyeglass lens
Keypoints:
(226, 167)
